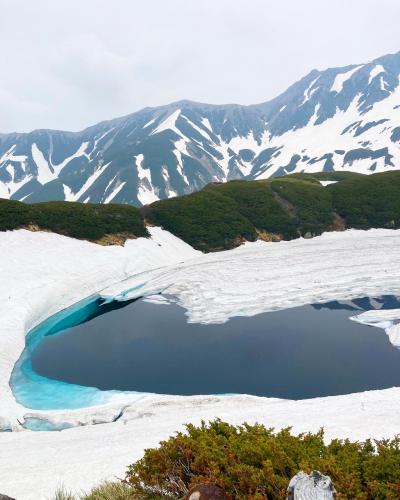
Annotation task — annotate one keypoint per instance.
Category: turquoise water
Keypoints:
(42, 393)
(85, 354)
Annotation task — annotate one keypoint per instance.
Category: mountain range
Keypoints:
(339, 119)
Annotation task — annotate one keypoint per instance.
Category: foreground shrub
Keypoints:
(251, 462)
(109, 490)
(63, 494)
(114, 491)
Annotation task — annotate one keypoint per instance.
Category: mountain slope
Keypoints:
(338, 119)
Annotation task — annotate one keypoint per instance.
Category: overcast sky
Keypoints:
(68, 64)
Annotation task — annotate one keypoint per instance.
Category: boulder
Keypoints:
(314, 486)
(207, 492)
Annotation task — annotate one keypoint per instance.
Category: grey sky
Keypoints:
(69, 64)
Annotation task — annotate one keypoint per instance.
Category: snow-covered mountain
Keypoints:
(338, 119)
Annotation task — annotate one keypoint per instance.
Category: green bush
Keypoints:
(77, 220)
(114, 490)
(253, 462)
(371, 201)
(63, 494)
(255, 201)
(109, 490)
(222, 216)
(308, 201)
(207, 220)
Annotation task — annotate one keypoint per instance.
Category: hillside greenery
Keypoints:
(222, 216)
(373, 201)
(99, 223)
(309, 203)
(207, 220)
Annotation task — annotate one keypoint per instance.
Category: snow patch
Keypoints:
(341, 78)
(114, 192)
(81, 151)
(45, 173)
(376, 70)
(326, 183)
(146, 192)
(149, 123)
(168, 124)
(90, 181)
(180, 149)
(308, 92)
(198, 129)
(68, 194)
(206, 122)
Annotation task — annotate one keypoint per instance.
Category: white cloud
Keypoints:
(71, 64)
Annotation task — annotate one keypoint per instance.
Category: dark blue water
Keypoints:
(296, 353)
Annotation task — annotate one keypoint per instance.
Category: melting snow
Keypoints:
(146, 193)
(199, 130)
(376, 70)
(341, 78)
(68, 194)
(206, 123)
(81, 151)
(102, 136)
(180, 149)
(90, 181)
(169, 124)
(114, 192)
(308, 92)
(45, 172)
(149, 123)
(326, 183)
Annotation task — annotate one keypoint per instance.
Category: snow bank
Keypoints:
(43, 273)
(388, 320)
(259, 277)
(34, 464)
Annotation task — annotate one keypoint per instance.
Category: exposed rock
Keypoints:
(115, 239)
(207, 492)
(338, 222)
(5, 497)
(34, 228)
(265, 236)
(314, 486)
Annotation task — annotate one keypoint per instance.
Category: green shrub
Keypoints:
(77, 220)
(371, 201)
(114, 490)
(222, 216)
(63, 494)
(253, 462)
(109, 490)
(207, 220)
(309, 202)
(255, 201)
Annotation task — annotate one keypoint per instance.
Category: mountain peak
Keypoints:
(338, 119)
